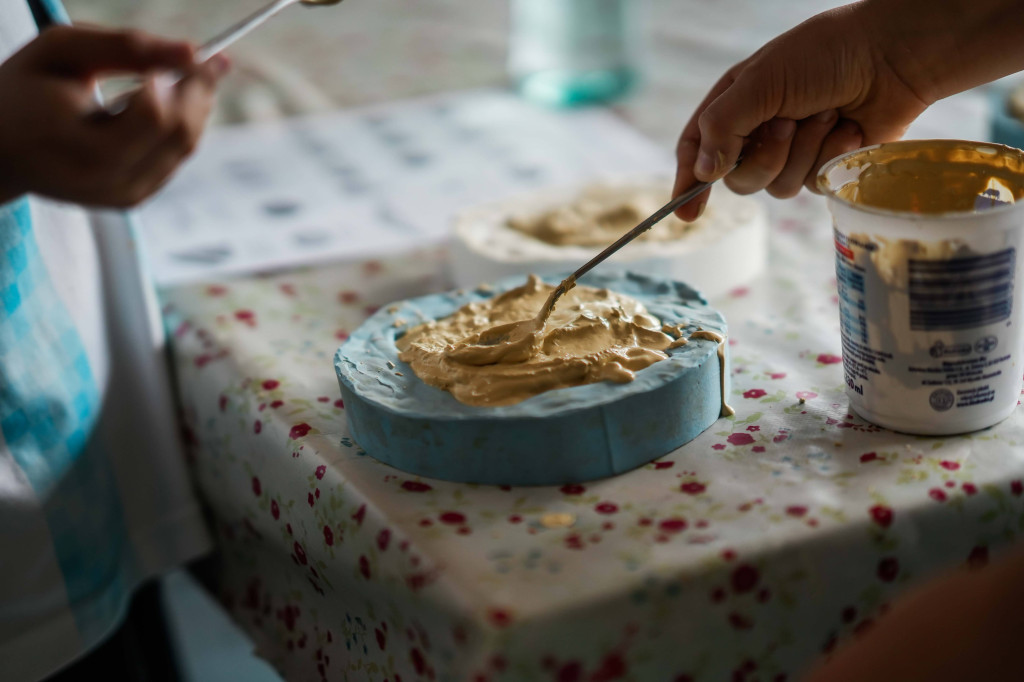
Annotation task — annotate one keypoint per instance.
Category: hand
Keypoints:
(961, 626)
(55, 142)
(830, 85)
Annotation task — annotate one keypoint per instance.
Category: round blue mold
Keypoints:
(567, 435)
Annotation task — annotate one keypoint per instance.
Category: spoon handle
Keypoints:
(647, 224)
(211, 47)
(229, 35)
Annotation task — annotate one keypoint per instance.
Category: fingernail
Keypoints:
(700, 209)
(782, 128)
(163, 88)
(705, 166)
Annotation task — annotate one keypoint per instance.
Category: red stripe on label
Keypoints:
(844, 250)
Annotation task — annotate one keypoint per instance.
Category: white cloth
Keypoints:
(94, 494)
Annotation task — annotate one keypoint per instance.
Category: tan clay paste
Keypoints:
(515, 346)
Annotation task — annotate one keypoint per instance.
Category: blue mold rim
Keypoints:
(567, 435)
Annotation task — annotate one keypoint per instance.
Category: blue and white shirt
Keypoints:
(94, 493)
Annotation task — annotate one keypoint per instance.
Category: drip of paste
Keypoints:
(502, 350)
(727, 410)
(600, 215)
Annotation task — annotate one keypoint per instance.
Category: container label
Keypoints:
(926, 327)
(963, 293)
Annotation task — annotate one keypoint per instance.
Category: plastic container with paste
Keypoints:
(928, 238)
(725, 249)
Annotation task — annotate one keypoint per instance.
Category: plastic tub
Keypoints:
(928, 239)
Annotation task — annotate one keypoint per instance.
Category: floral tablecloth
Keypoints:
(742, 556)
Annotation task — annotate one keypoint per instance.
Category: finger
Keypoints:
(764, 156)
(150, 173)
(845, 137)
(85, 52)
(694, 208)
(691, 210)
(192, 101)
(803, 153)
(209, 72)
(145, 121)
(107, 145)
(729, 120)
(195, 96)
(689, 143)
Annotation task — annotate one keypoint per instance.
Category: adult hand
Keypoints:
(54, 141)
(828, 86)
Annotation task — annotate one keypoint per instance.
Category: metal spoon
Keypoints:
(225, 38)
(570, 281)
(222, 40)
(516, 339)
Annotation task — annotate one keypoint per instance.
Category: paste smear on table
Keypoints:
(600, 215)
(517, 345)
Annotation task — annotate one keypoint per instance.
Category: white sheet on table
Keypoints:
(365, 182)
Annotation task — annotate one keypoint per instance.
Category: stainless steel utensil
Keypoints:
(229, 35)
(694, 191)
(222, 40)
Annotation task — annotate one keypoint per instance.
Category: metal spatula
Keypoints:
(222, 40)
(694, 191)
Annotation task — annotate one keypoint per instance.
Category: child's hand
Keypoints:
(54, 142)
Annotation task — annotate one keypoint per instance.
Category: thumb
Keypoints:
(85, 52)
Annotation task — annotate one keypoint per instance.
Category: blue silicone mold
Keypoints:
(563, 436)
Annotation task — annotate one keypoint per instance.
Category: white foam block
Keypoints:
(725, 251)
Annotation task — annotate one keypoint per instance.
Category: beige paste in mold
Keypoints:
(515, 346)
